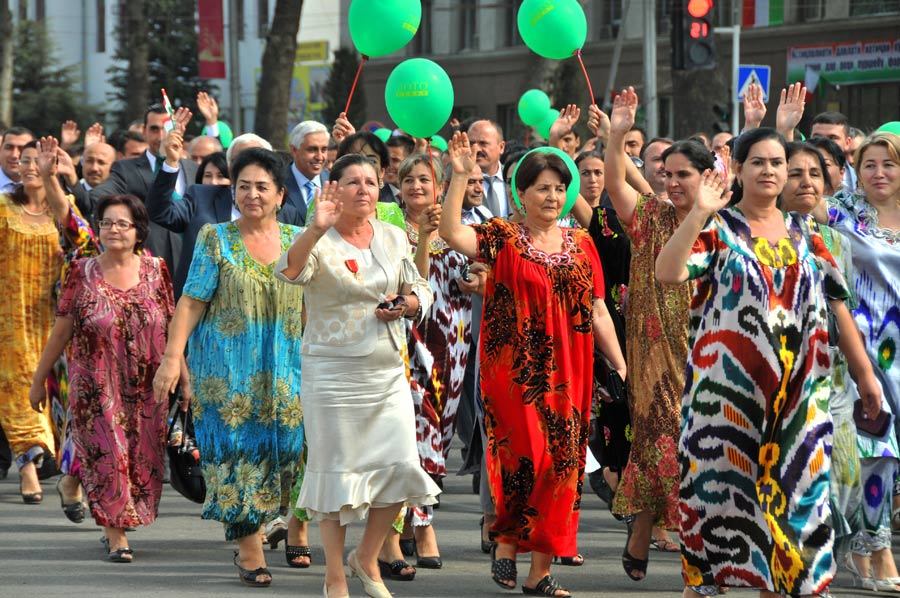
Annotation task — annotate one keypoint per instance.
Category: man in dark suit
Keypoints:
(135, 176)
(96, 164)
(306, 175)
(201, 204)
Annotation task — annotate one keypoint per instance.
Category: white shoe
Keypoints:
(886, 585)
(375, 589)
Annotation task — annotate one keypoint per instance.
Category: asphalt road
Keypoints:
(42, 554)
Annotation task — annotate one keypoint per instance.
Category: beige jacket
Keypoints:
(341, 306)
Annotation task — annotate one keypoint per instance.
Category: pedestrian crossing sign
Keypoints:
(753, 73)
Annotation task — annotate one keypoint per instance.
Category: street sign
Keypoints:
(753, 73)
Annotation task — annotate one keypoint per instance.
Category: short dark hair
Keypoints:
(404, 141)
(830, 147)
(18, 195)
(154, 109)
(16, 131)
(640, 130)
(353, 143)
(345, 162)
(265, 159)
(120, 137)
(697, 154)
(652, 141)
(531, 167)
(509, 162)
(217, 159)
(138, 215)
(802, 147)
(832, 118)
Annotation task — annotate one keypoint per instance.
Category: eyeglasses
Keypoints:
(27, 163)
(119, 224)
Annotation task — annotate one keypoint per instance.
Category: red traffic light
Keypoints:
(699, 8)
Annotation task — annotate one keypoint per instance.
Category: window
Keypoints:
(421, 42)
(510, 12)
(262, 18)
(467, 31)
(864, 8)
(812, 10)
(101, 26)
(508, 117)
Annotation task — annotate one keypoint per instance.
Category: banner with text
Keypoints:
(211, 39)
(875, 61)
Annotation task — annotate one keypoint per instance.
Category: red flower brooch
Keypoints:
(353, 267)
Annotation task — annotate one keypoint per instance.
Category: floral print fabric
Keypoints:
(536, 351)
(117, 426)
(244, 358)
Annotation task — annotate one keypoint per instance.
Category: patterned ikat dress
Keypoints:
(756, 432)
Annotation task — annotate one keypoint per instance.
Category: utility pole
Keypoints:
(650, 103)
(234, 67)
(735, 31)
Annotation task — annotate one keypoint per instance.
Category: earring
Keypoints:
(277, 209)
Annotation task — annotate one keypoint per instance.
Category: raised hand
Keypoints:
(69, 133)
(47, 159)
(461, 157)
(429, 220)
(421, 145)
(567, 118)
(790, 108)
(624, 108)
(711, 196)
(94, 134)
(598, 123)
(754, 107)
(65, 167)
(342, 128)
(181, 118)
(728, 175)
(328, 206)
(172, 146)
(208, 107)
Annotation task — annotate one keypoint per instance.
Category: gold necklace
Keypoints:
(30, 213)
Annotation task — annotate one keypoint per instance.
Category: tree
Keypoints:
(274, 92)
(158, 44)
(46, 95)
(337, 88)
(693, 97)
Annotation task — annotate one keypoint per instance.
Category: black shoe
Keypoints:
(600, 487)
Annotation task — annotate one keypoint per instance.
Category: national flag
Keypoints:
(763, 13)
(169, 123)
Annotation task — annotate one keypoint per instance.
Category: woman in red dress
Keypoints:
(543, 313)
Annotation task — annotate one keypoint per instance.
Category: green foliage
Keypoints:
(44, 95)
(173, 64)
(337, 89)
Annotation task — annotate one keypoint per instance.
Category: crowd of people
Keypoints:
(715, 320)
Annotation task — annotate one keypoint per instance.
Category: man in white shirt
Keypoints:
(307, 174)
(486, 139)
(473, 209)
(14, 140)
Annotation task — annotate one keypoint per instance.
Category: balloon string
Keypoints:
(433, 175)
(526, 136)
(353, 88)
(586, 78)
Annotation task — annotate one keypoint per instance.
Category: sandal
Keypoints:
(546, 587)
(74, 511)
(30, 498)
(632, 564)
(569, 561)
(486, 545)
(665, 545)
(249, 577)
(294, 552)
(395, 570)
(122, 555)
(503, 571)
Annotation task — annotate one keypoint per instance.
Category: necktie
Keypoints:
(490, 197)
(310, 192)
(158, 164)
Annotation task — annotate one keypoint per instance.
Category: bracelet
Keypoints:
(415, 314)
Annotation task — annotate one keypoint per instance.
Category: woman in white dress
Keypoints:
(359, 282)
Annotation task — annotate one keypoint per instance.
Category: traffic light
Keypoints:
(722, 111)
(692, 35)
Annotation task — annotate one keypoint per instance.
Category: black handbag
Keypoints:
(185, 472)
(607, 382)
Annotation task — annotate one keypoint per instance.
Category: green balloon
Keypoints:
(382, 133)
(439, 142)
(533, 106)
(226, 135)
(890, 127)
(552, 28)
(419, 96)
(381, 27)
(572, 190)
(547, 120)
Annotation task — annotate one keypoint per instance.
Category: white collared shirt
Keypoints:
(7, 185)
(498, 186)
(476, 215)
(302, 180)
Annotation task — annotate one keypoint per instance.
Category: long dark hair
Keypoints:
(18, 196)
(697, 154)
(217, 159)
(742, 149)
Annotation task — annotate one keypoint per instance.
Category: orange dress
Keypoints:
(30, 261)
(536, 351)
